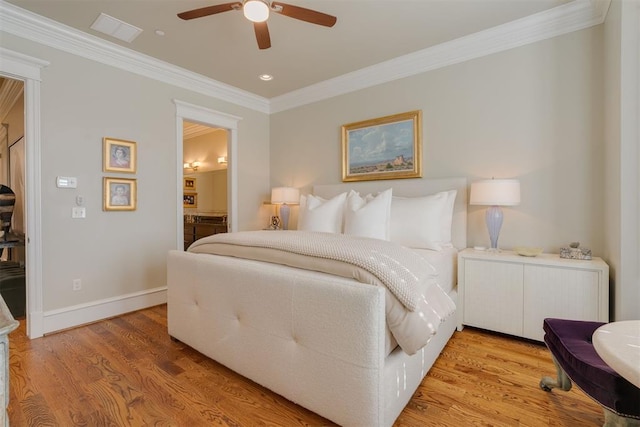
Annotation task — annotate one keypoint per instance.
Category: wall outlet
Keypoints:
(77, 284)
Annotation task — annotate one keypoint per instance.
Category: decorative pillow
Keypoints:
(318, 214)
(447, 218)
(368, 216)
(416, 222)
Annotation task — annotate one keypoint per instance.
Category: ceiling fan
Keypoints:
(257, 11)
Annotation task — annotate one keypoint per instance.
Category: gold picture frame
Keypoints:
(189, 184)
(119, 194)
(388, 147)
(190, 200)
(118, 155)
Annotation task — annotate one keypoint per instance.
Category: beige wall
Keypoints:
(532, 113)
(120, 253)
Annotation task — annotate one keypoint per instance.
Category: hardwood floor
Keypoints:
(126, 371)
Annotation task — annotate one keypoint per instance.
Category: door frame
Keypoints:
(18, 66)
(205, 116)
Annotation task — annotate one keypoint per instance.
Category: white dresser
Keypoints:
(512, 294)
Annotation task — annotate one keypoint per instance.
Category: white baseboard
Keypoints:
(69, 317)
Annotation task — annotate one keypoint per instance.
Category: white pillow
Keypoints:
(416, 222)
(318, 214)
(447, 218)
(368, 216)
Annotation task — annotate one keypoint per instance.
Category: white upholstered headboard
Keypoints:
(413, 188)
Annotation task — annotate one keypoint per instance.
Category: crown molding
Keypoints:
(573, 16)
(28, 25)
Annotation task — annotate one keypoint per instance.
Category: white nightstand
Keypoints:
(509, 293)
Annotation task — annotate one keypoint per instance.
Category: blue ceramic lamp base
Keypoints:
(494, 223)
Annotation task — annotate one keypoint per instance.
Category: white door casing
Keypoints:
(26, 68)
(205, 116)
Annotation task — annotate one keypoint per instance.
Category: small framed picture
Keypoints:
(190, 200)
(119, 194)
(189, 184)
(118, 155)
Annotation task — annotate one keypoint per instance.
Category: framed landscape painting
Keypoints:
(384, 148)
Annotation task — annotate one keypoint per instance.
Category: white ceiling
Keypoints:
(223, 46)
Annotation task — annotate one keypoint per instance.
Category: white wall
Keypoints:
(120, 253)
(622, 156)
(533, 113)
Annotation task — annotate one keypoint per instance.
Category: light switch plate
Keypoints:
(78, 212)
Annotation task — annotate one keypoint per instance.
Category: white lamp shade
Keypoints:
(495, 192)
(285, 195)
(256, 10)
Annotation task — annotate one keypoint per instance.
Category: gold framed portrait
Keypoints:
(118, 155)
(119, 194)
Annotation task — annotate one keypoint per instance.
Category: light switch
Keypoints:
(78, 212)
(67, 182)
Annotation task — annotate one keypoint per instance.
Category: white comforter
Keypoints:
(415, 303)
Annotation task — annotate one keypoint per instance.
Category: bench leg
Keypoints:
(562, 381)
(611, 419)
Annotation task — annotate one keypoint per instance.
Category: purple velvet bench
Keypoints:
(576, 360)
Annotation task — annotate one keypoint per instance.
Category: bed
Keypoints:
(319, 340)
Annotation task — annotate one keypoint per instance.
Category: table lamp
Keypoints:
(495, 193)
(285, 196)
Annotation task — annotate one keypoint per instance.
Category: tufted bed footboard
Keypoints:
(316, 339)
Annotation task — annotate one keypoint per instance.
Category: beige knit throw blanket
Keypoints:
(400, 269)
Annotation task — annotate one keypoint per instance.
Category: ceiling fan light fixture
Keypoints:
(256, 10)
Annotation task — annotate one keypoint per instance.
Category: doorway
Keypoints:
(205, 181)
(12, 192)
(190, 113)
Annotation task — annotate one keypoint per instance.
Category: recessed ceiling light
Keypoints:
(266, 77)
(159, 33)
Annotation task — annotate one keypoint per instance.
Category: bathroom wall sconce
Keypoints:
(192, 165)
(222, 160)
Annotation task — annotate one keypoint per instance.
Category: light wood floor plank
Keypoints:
(126, 371)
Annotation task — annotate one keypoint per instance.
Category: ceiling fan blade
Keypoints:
(262, 34)
(210, 10)
(303, 14)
